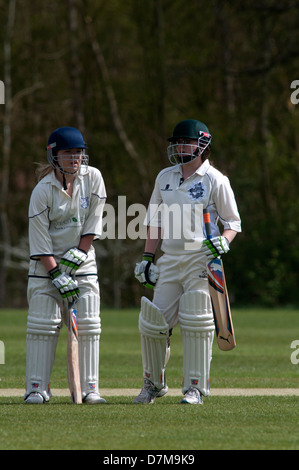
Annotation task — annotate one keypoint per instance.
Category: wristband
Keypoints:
(148, 257)
(54, 272)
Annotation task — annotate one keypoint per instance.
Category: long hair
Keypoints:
(206, 154)
(43, 170)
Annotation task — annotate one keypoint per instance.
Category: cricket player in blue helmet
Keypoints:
(65, 218)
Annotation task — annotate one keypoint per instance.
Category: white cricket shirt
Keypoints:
(57, 221)
(176, 205)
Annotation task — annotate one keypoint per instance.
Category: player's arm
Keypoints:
(227, 210)
(153, 239)
(48, 262)
(93, 226)
(75, 257)
(229, 235)
(85, 243)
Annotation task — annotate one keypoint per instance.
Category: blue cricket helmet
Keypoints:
(65, 138)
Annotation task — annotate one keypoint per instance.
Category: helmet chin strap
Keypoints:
(64, 182)
(63, 173)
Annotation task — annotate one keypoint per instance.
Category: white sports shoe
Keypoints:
(162, 392)
(192, 397)
(34, 398)
(93, 399)
(149, 392)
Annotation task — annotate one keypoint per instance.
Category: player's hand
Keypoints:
(146, 272)
(72, 260)
(67, 286)
(215, 247)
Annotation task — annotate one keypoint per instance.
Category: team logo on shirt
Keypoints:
(84, 201)
(196, 191)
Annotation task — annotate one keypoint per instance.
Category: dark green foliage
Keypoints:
(229, 64)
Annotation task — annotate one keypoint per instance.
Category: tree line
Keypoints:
(125, 73)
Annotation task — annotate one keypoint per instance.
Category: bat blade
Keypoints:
(219, 298)
(73, 356)
(221, 307)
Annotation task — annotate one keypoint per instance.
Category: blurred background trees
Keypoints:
(125, 73)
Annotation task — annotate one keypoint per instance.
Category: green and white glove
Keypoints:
(215, 247)
(146, 272)
(67, 286)
(72, 260)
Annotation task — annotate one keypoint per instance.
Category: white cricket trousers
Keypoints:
(178, 274)
(182, 295)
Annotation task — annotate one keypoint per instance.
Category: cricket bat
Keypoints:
(219, 297)
(73, 371)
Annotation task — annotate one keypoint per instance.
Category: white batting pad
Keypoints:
(197, 330)
(43, 326)
(154, 342)
(89, 329)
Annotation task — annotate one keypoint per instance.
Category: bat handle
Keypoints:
(207, 221)
(71, 304)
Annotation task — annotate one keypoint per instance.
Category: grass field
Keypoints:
(262, 359)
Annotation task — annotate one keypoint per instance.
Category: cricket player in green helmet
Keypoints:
(179, 278)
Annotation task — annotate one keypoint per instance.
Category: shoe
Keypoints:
(149, 392)
(34, 398)
(162, 392)
(93, 399)
(192, 397)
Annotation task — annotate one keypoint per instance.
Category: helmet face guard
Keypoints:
(67, 162)
(181, 153)
(189, 140)
(72, 158)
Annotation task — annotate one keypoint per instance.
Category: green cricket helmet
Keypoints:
(180, 150)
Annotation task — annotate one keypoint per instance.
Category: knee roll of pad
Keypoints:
(151, 321)
(44, 317)
(195, 311)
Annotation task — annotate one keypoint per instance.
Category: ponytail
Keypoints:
(42, 171)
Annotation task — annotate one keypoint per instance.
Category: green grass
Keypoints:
(222, 423)
(261, 359)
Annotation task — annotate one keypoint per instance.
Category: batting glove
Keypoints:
(72, 260)
(215, 247)
(146, 272)
(67, 286)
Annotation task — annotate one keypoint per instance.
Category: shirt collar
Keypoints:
(203, 168)
(51, 178)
